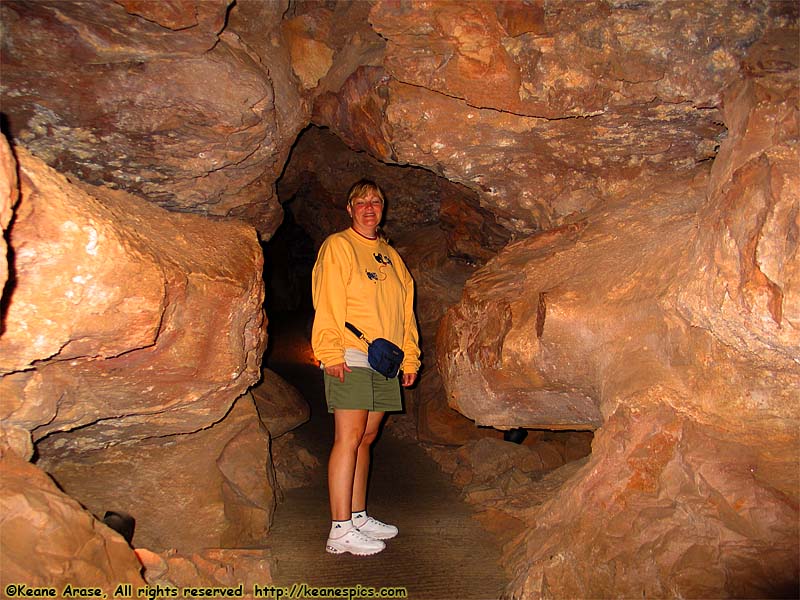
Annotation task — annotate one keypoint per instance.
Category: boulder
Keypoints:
(744, 282)
(294, 465)
(151, 99)
(213, 488)
(280, 406)
(49, 540)
(672, 314)
(664, 506)
(545, 111)
(215, 567)
(124, 321)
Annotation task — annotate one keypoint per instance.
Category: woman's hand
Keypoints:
(409, 379)
(338, 371)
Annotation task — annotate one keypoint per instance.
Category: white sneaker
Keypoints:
(377, 529)
(354, 542)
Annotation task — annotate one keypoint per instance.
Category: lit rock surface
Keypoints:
(546, 113)
(640, 158)
(210, 489)
(667, 505)
(9, 194)
(49, 540)
(126, 321)
(745, 284)
(179, 114)
(672, 314)
(215, 567)
(543, 328)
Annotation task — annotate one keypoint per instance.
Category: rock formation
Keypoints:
(150, 329)
(684, 355)
(598, 200)
(156, 100)
(129, 331)
(211, 489)
(41, 521)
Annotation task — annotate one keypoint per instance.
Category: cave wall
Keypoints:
(613, 185)
(687, 351)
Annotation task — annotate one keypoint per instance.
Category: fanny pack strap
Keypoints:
(357, 331)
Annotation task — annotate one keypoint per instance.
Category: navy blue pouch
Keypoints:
(383, 356)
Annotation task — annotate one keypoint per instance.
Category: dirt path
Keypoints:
(441, 553)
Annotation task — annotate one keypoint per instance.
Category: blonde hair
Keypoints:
(363, 187)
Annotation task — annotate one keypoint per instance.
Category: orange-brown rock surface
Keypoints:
(151, 99)
(745, 277)
(672, 314)
(211, 489)
(616, 182)
(544, 110)
(125, 321)
(280, 406)
(215, 567)
(548, 325)
(49, 540)
(8, 199)
(129, 332)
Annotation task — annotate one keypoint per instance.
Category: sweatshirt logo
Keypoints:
(384, 261)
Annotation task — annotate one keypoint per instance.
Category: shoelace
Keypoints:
(362, 537)
(376, 521)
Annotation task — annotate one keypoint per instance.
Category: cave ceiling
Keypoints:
(540, 110)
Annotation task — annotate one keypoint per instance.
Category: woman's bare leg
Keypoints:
(361, 474)
(350, 426)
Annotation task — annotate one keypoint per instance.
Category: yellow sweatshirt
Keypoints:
(364, 282)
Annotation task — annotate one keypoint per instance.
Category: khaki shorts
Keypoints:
(363, 389)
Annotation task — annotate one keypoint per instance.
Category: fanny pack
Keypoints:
(382, 355)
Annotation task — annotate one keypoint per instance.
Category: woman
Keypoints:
(360, 279)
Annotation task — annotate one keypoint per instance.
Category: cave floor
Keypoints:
(441, 553)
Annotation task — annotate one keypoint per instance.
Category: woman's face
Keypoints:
(366, 213)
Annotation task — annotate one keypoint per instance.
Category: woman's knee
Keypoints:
(348, 439)
(368, 438)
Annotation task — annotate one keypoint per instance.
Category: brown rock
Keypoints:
(209, 489)
(49, 540)
(530, 343)
(745, 287)
(143, 100)
(216, 567)
(9, 194)
(438, 279)
(485, 460)
(567, 58)
(664, 506)
(294, 465)
(15, 440)
(696, 459)
(121, 331)
(311, 57)
(437, 423)
(280, 406)
(322, 170)
(555, 120)
(180, 14)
